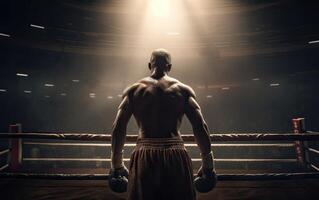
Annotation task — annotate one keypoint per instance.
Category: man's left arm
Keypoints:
(119, 132)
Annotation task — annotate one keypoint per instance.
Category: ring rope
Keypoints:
(312, 150)
(4, 151)
(4, 167)
(314, 167)
(133, 144)
(220, 177)
(127, 159)
(316, 132)
(187, 138)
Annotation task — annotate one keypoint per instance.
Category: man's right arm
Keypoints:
(122, 118)
(200, 129)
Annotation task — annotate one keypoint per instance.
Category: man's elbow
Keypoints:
(118, 130)
(199, 131)
(200, 126)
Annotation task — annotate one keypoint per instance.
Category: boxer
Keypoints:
(160, 167)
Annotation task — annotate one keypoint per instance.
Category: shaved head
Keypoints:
(160, 58)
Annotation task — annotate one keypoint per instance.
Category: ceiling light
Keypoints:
(75, 80)
(3, 90)
(27, 91)
(22, 74)
(92, 95)
(209, 96)
(313, 42)
(255, 79)
(160, 8)
(4, 35)
(274, 84)
(37, 26)
(201, 87)
(48, 85)
(225, 88)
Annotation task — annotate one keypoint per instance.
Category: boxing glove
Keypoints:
(205, 181)
(118, 179)
(206, 177)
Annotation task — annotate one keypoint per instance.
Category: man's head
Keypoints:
(161, 59)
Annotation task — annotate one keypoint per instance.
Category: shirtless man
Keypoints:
(160, 167)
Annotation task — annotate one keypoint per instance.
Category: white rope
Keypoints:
(4, 151)
(132, 145)
(4, 167)
(313, 150)
(314, 167)
(127, 159)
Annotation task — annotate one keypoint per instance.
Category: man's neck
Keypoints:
(158, 73)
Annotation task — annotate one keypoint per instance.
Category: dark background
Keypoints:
(91, 41)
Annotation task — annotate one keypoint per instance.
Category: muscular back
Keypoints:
(158, 106)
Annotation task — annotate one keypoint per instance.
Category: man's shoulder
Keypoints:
(131, 88)
(186, 89)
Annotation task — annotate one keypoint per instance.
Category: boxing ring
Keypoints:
(306, 156)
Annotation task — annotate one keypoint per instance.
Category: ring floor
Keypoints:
(99, 190)
(19, 189)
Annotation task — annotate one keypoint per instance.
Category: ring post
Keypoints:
(16, 148)
(299, 127)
